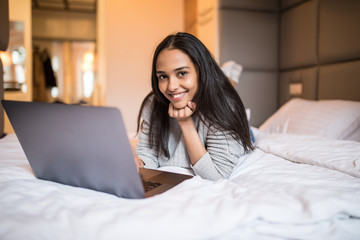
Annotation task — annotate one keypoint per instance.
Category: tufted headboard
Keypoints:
(291, 48)
(319, 49)
(4, 40)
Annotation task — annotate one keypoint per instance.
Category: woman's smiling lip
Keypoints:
(177, 96)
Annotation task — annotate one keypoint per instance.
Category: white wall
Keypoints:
(207, 25)
(128, 32)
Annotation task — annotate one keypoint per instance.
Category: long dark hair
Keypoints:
(217, 102)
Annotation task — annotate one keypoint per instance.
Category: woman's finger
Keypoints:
(192, 105)
(181, 113)
(188, 111)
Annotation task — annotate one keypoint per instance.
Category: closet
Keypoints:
(64, 55)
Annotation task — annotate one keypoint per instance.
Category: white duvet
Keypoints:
(290, 187)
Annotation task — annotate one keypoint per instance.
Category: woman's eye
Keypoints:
(162, 77)
(182, 74)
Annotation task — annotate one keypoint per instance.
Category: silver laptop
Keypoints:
(85, 147)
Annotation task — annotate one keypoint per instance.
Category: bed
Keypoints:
(301, 182)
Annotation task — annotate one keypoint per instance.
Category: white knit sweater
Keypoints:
(222, 154)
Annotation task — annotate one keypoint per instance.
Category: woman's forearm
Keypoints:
(194, 146)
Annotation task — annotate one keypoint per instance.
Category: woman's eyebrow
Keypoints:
(181, 68)
(175, 70)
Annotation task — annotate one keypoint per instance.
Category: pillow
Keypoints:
(334, 119)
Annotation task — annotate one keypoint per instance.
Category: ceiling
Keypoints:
(65, 5)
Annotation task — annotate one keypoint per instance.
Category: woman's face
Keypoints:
(177, 77)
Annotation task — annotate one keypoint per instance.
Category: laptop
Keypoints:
(84, 146)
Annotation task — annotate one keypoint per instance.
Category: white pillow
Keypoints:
(334, 119)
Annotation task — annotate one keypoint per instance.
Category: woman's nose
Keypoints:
(173, 83)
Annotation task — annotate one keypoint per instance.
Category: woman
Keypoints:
(193, 118)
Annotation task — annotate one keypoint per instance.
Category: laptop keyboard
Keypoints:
(150, 185)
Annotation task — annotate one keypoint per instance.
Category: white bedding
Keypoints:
(308, 191)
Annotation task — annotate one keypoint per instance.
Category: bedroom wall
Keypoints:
(249, 33)
(201, 20)
(128, 32)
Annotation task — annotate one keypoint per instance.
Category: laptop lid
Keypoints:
(81, 146)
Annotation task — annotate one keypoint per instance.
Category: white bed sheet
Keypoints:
(267, 197)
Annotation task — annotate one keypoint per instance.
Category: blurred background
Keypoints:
(99, 52)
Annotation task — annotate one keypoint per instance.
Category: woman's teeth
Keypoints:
(178, 96)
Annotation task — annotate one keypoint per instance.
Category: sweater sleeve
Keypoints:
(147, 154)
(223, 153)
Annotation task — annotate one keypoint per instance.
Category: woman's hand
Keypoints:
(139, 163)
(194, 146)
(183, 113)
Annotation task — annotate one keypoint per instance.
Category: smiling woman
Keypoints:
(177, 77)
(193, 118)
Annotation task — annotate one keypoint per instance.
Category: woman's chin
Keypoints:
(179, 105)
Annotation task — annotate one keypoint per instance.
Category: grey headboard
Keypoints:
(4, 40)
(311, 47)
(320, 49)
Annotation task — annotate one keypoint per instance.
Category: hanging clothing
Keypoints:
(50, 79)
(43, 75)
